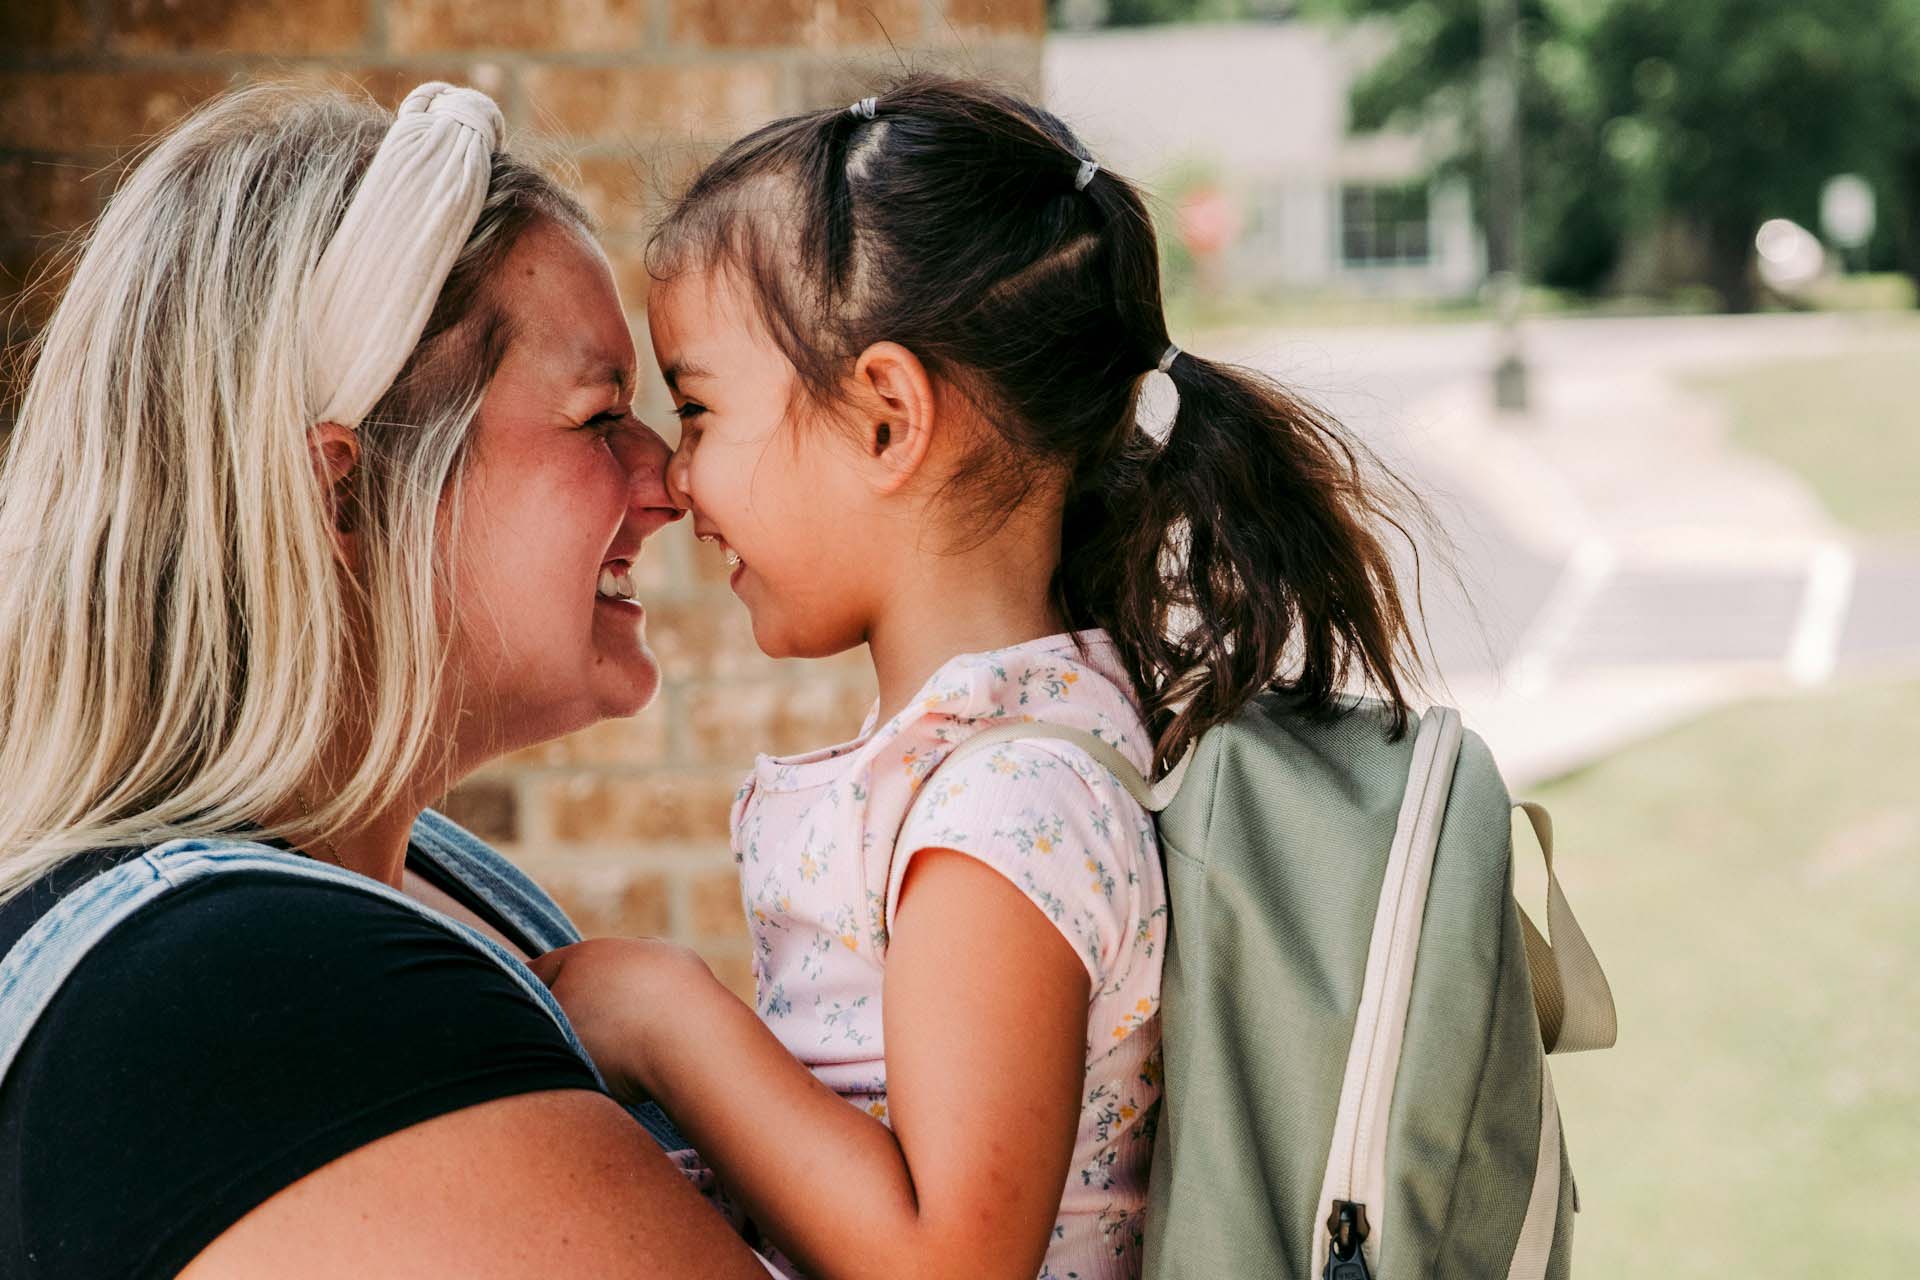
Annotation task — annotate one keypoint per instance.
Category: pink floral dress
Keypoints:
(821, 870)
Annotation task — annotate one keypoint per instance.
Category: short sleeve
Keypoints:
(1057, 825)
(223, 1043)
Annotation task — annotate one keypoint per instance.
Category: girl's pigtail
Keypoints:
(1257, 521)
(1248, 544)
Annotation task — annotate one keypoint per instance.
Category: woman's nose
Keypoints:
(645, 456)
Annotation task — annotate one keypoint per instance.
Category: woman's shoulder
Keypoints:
(252, 947)
(237, 1033)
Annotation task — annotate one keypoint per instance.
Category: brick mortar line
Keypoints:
(597, 772)
(596, 149)
(635, 57)
(378, 34)
(99, 22)
(679, 909)
(840, 680)
(623, 860)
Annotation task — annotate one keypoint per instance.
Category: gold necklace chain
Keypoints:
(323, 848)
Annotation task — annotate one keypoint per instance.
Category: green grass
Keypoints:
(1752, 884)
(1849, 425)
(1886, 291)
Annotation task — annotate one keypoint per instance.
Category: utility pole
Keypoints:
(1500, 84)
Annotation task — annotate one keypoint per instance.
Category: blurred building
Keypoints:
(1255, 115)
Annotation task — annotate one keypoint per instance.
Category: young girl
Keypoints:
(905, 341)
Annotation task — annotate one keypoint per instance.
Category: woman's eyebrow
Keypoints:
(611, 375)
(592, 365)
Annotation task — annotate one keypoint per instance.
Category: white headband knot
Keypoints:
(1085, 173)
(375, 285)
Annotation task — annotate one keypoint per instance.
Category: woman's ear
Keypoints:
(898, 413)
(335, 452)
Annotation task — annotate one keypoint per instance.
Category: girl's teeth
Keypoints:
(733, 557)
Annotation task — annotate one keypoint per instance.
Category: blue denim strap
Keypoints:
(32, 972)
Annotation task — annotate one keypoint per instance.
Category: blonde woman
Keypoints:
(323, 492)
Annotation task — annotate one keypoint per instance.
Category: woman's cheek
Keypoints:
(601, 484)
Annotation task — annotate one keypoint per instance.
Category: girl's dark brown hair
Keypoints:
(1238, 556)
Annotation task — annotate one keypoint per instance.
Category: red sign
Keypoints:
(1209, 222)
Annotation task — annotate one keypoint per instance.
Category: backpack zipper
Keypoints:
(1355, 1177)
(1346, 1231)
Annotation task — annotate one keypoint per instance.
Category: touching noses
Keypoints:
(679, 478)
(645, 457)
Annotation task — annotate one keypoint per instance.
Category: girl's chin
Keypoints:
(778, 641)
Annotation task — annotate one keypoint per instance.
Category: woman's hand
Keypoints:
(613, 991)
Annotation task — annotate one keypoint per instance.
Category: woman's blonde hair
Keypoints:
(175, 645)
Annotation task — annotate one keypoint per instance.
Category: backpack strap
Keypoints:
(1570, 991)
(1153, 797)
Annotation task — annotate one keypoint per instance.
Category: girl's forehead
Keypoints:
(705, 317)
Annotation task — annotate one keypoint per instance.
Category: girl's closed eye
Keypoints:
(689, 410)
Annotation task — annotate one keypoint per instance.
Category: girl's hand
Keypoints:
(613, 990)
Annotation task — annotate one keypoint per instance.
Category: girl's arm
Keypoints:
(985, 1016)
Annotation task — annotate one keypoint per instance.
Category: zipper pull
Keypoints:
(1347, 1224)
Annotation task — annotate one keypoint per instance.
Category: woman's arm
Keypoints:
(985, 1013)
(560, 1183)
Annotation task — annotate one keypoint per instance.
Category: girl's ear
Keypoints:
(898, 413)
(335, 452)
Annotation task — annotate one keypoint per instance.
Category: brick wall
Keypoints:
(626, 822)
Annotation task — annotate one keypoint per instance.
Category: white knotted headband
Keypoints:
(376, 284)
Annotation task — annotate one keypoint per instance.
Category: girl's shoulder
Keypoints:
(1071, 678)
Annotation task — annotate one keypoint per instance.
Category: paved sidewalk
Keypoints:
(1689, 574)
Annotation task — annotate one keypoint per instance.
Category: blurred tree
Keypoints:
(1747, 107)
(1903, 178)
(1638, 114)
(1080, 15)
(1431, 79)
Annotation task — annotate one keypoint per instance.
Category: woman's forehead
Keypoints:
(565, 310)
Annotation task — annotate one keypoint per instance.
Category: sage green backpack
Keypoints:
(1355, 1013)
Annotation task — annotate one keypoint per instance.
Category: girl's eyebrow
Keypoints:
(679, 370)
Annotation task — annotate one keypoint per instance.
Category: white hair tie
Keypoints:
(864, 109)
(1167, 359)
(376, 284)
(1087, 169)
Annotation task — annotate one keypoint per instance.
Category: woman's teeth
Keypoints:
(615, 583)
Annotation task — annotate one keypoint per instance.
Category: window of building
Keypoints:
(1384, 226)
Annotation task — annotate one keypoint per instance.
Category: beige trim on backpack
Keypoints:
(1570, 991)
(1534, 1249)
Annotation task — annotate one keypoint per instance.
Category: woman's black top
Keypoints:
(230, 1038)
